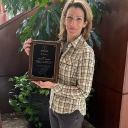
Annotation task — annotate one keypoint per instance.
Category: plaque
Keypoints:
(44, 60)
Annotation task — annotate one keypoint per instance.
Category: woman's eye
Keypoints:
(79, 19)
(69, 17)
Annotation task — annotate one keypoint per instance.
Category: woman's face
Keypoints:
(74, 22)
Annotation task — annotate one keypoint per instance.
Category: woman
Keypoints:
(76, 67)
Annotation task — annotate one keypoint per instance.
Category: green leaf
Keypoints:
(36, 103)
(101, 7)
(47, 92)
(12, 102)
(49, 3)
(23, 1)
(92, 90)
(40, 124)
(31, 119)
(27, 29)
(37, 23)
(29, 110)
(48, 22)
(61, 0)
(42, 91)
(44, 33)
(88, 115)
(40, 1)
(99, 16)
(26, 7)
(12, 79)
(90, 41)
(25, 101)
(24, 37)
(37, 119)
(33, 4)
(22, 26)
(35, 111)
(17, 109)
(56, 17)
(96, 36)
(32, 19)
(21, 98)
(43, 2)
(11, 92)
(94, 10)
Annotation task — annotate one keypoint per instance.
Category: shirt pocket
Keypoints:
(68, 69)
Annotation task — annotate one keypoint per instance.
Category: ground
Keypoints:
(17, 120)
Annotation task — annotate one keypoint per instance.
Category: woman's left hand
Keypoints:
(46, 84)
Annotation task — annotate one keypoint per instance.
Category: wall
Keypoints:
(12, 63)
(110, 101)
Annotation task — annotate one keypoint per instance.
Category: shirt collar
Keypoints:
(77, 42)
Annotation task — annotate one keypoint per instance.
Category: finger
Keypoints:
(26, 46)
(27, 50)
(41, 83)
(36, 82)
(29, 41)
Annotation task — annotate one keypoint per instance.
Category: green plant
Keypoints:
(23, 92)
(36, 28)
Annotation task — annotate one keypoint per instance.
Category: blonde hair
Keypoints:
(88, 16)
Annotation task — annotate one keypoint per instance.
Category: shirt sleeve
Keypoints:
(84, 78)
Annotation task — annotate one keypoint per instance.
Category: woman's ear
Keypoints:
(85, 23)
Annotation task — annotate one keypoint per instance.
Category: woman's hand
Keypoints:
(46, 84)
(27, 45)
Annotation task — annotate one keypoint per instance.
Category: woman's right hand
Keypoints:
(27, 45)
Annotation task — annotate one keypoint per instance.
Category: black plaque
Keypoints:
(44, 60)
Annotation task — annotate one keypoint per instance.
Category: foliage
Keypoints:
(98, 9)
(45, 22)
(23, 91)
(13, 7)
(37, 29)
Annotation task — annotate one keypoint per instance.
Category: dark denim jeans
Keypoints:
(73, 120)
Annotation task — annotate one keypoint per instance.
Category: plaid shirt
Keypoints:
(75, 76)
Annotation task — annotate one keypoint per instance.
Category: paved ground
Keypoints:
(16, 120)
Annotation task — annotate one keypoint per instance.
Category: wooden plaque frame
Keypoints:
(44, 60)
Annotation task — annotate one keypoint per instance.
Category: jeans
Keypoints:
(72, 120)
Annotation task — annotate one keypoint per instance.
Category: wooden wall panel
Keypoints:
(112, 56)
(12, 63)
(105, 108)
(111, 75)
